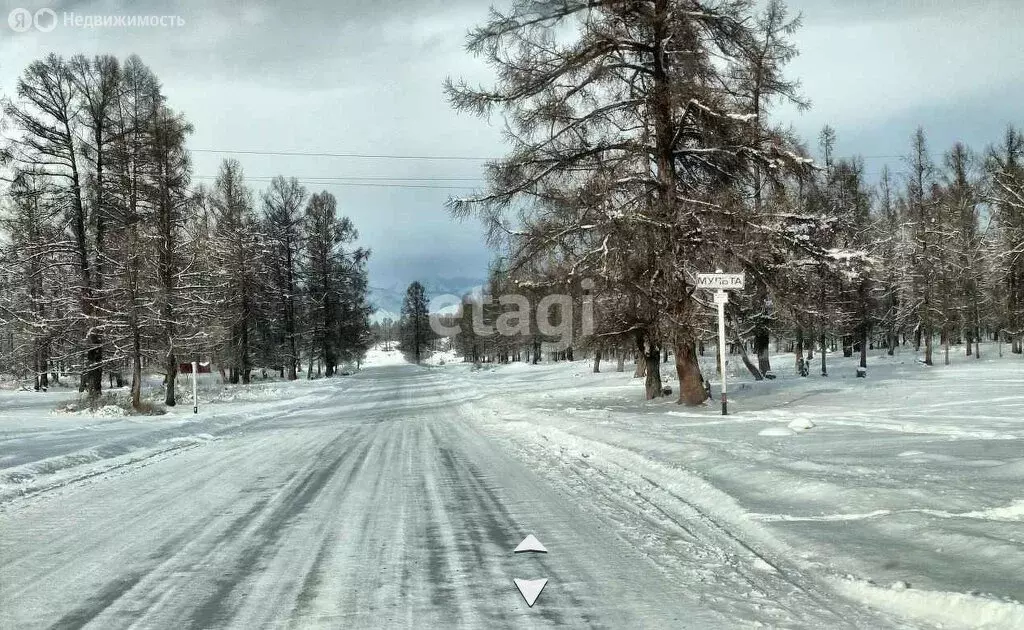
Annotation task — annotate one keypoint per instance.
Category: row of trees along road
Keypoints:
(643, 152)
(112, 259)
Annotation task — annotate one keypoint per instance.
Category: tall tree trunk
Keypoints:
(847, 346)
(754, 371)
(95, 337)
(290, 318)
(36, 382)
(977, 334)
(171, 367)
(47, 366)
(864, 346)
(136, 368)
(823, 350)
(167, 246)
(291, 369)
(620, 360)
(762, 341)
(652, 384)
(641, 364)
(246, 366)
(597, 361)
(799, 350)
(170, 360)
(236, 343)
(691, 382)
(330, 360)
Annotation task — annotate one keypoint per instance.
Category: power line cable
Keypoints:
(354, 183)
(369, 156)
(375, 156)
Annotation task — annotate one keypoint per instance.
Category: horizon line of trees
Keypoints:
(955, 271)
(111, 261)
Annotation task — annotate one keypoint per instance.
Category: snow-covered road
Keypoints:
(394, 498)
(378, 505)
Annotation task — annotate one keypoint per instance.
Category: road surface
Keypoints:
(380, 503)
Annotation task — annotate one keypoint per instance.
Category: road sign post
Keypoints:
(721, 299)
(722, 283)
(195, 387)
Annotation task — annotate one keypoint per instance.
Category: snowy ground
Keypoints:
(394, 497)
(910, 477)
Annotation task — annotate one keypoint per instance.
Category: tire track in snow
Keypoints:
(624, 476)
(292, 573)
(239, 552)
(220, 605)
(491, 529)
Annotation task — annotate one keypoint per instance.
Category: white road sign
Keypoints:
(727, 281)
(721, 297)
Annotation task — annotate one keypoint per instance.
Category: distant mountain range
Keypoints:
(387, 301)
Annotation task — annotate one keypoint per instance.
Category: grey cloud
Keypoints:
(365, 77)
(825, 12)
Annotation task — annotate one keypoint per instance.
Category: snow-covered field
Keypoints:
(393, 498)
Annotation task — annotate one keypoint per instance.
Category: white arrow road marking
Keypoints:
(530, 589)
(530, 543)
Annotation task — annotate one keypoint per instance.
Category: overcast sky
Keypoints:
(354, 76)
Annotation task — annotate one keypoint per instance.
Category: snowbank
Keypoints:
(777, 432)
(942, 609)
(49, 440)
(801, 424)
(55, 472)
